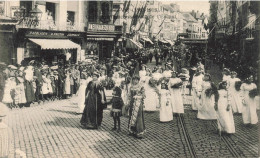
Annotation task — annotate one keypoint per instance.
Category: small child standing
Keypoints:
(117, 104)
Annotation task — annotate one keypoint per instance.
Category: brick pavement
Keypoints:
(53, 130)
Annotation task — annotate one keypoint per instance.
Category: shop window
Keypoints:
(50, 10)
(70, 17)
(92, 11)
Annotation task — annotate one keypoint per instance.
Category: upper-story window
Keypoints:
(50, 10)
(105, 12)
(71, 17)
(92, 11)
(27, 5)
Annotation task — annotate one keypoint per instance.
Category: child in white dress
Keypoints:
(224, 111)
(165, 104)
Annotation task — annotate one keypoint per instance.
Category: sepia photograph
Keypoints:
(129, 79)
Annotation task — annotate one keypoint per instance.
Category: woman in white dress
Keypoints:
(142, 74)
(226, 76)
(174, 86)
(167, 73)
(248, 90)
(236, 101)
(196, 89)
(81, 94)
(67, 83)
(19, 90)
(224, 111)
(209, 95)
(151, 102)
(165, 104)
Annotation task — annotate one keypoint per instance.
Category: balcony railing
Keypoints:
(249, 31)
(50, 25)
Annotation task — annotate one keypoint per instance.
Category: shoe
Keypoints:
(113, 129)
(118, 130)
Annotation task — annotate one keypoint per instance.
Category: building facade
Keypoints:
(102, 31)
(43, 29)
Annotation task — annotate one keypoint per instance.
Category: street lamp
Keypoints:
(36, 15)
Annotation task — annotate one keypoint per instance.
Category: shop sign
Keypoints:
(101, 39)
(52, 34)
(100, 27)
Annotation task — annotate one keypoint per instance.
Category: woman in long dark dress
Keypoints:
(94, 104)
(136, 124)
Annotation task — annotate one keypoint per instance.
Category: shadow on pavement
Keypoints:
(63, 111)
(65, 122)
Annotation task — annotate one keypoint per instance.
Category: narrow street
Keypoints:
(53, 130)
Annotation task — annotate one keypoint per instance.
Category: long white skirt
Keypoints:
(151, 101)
(165, 110)
(236, 102)
(195, 100)
(81, 97)
(249, 111)
(176, 101)
(206, 110)
(225, 118)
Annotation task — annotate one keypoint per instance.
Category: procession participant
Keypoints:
(196, 89)
(61, 80)
(142, 74)
(95, 102)
(226, 76)
(157, 75)
(38, 81)
(29, 91)
(192, 71)
(67, 84)
(151, 101)
(46, 86)
(165, 104)
(234, 90)
(72, 80)
(136, 124)
(20, 98)
(224, 111)
(209, 97)
(249, 91)
(167, 73)
(10, 85)
(174, 86)
(80, 99)
(116, 111)
(200, 65)
(184, 76)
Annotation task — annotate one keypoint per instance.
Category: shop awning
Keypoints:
(170, 42)
(133, 44)
(163, 41)
(147, 40)
(55, 43)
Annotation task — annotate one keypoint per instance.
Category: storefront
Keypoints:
(49, 45)
(7, 40)
(101, 40)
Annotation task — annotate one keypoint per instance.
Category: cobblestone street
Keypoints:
(53, 130)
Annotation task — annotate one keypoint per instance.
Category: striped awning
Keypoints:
(133, 44)
(147, 40)
(55, 43)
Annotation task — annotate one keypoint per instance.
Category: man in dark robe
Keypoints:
(94, 104)
(38, 82)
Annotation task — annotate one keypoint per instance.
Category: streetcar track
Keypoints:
(228, 143)
(187, 136)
